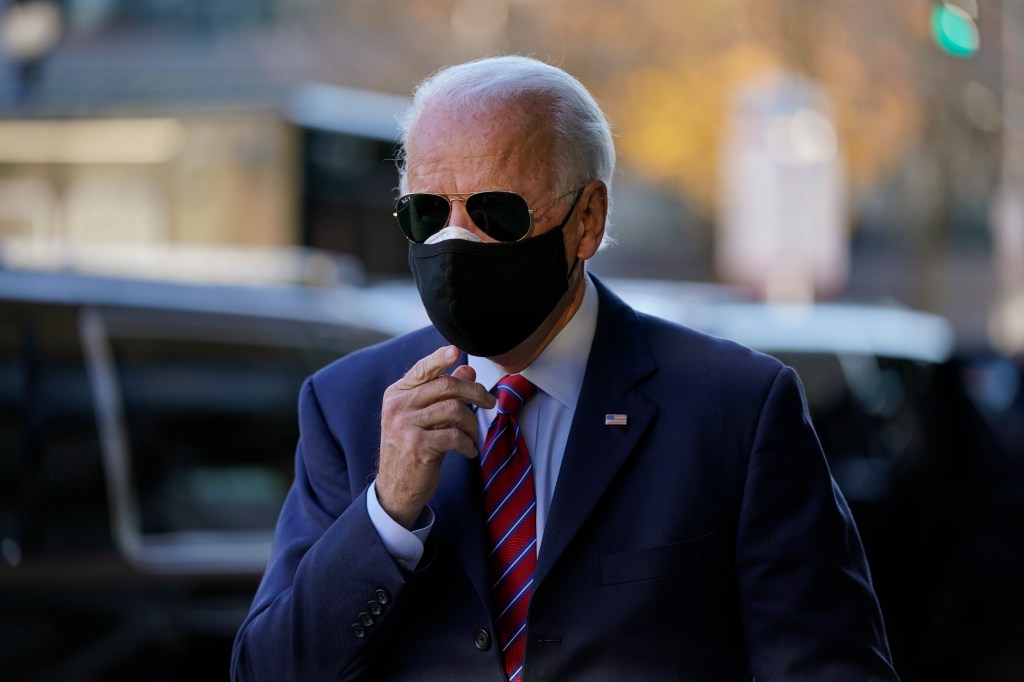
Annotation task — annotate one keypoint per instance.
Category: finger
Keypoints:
(452, 439)
(467, 373)
(429, 368)
(446, 387)
(448, 413)
(469, 424)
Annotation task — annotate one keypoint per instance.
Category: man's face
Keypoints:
(454, 154)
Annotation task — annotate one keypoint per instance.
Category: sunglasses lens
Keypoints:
(502, 215)
(421, 215)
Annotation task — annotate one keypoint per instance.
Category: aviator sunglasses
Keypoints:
(504, 216)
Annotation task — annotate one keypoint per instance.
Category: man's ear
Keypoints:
(593, 211)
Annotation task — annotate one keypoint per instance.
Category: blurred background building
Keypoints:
(155, 121)
(795, 150)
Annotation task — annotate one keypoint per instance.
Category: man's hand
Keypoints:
(423, 416)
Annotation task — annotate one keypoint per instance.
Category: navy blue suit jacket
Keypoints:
(705, 540)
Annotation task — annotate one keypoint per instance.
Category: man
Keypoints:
(546, 484)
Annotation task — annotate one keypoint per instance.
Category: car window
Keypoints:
(869, 412)
(211, 428)
(52, 493)
(12, 391)
(200, 428)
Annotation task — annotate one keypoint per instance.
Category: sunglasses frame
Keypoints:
(464, 197)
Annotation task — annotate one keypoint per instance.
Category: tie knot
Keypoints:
(512, 392)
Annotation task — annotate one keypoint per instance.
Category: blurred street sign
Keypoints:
(1006, 320)
(782, 227)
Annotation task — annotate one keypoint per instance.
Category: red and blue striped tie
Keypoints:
(510, 504)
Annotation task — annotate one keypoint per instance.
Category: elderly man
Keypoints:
(546, 484)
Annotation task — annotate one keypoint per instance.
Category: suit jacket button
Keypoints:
(366, 619)
(482, 639)
(375, 608)
(382, 596)
(358, 630)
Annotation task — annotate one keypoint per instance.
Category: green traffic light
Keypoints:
(954, 30)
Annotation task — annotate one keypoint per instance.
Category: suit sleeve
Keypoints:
(808, 607)
(309, 618)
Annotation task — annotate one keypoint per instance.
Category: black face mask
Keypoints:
(487, 298)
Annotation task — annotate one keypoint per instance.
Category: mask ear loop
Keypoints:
(561, 228)
(568, 275)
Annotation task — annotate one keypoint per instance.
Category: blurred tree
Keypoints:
(665, 71)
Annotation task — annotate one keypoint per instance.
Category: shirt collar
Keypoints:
(559, 369)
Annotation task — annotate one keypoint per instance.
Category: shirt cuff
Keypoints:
(404, 545)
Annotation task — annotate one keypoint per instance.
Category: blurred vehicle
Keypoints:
(146, 436)
(147, 428)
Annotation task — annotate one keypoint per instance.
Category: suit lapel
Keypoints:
(594, 453)
(459, 509)
(460, 513)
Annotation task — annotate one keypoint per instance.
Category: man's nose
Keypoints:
(460, 218)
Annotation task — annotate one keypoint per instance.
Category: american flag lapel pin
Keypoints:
(615, 420)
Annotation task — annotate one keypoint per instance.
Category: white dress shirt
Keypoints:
(544, 421)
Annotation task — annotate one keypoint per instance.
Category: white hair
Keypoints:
(583, 146)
